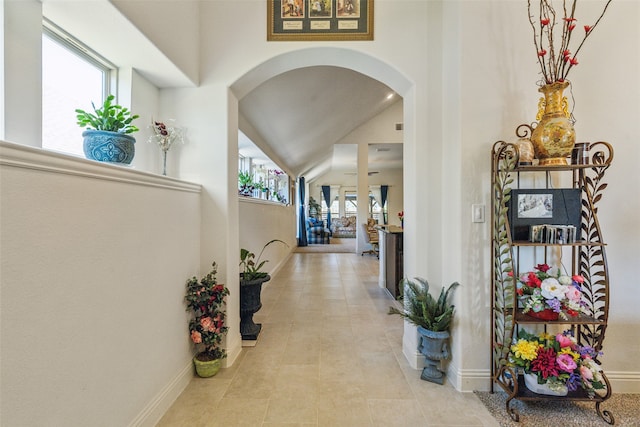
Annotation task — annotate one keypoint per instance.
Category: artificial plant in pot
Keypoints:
(433, 319)
(251, 280)
(206, 301)
(107, 138)
(314, 208)
(245, 184)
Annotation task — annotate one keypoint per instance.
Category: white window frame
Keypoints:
(66, 40)
(74, 46)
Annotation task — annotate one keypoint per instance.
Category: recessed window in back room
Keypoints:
(70, 79)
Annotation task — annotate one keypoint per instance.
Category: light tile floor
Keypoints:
(328, 355)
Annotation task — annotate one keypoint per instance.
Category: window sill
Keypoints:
(27, 157)
(244, 199)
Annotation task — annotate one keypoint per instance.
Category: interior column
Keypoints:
(362, 195)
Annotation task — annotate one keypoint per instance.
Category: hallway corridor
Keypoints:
(328, 355)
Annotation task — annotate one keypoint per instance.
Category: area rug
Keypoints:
(625, 409)
(336, 246)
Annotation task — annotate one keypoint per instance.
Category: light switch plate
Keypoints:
(477, 213)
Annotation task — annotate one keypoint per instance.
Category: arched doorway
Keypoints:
(337, 57)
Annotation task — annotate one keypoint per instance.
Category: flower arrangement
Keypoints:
(558, 361)
(561, 294)
(165, 135)
(206, 300)
(556, 60)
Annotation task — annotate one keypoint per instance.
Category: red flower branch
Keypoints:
(555, 68)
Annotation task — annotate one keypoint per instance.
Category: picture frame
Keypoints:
(533, 207)
(309, 20)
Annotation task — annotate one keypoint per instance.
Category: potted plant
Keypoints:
(314, 208)
(206, 301)
(251, 280)
(107, 138)
(245, 183)
(433, 319)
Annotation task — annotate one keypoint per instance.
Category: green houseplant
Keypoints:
(107, 137)
(314, 208)
(206, 302)
(251, 280)
(245, 183)
(422, 309)
(433, 318)
(251, 265)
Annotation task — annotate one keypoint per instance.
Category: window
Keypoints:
(375, 211)
(258, 176)
(72, 77)
(351, 206)
(335, 208)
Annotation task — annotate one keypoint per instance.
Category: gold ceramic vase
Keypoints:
(554, 136)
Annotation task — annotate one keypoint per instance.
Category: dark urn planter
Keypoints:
(250, 303)
(111, 147)
(435, 347)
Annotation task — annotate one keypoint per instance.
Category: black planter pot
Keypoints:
(250, 303)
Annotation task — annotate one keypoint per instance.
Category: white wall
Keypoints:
(155, 19)
(262, 222)
(94, 260)
(22, 85)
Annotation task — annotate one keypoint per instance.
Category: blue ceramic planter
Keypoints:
(435, 347)
(112, 147)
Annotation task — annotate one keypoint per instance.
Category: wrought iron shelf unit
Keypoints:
(588, 258)
(522, 318)
(580, 243)
(524, 393)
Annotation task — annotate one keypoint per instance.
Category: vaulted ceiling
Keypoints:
(301, 114)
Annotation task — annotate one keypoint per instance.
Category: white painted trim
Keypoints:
(244, 199)
(234, 349)
(468, 380)
(160, 404)
(413, 356)
(27, 157)
(624, 382)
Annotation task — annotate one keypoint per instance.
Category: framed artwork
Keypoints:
(533, 207)
(308, 20)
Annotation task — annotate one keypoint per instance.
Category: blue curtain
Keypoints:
(383, 191)
(326, 193)
(302, 221)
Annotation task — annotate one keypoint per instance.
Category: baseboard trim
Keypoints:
(624, 382)
(413, 356)
(160, 404)
(468, 380)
